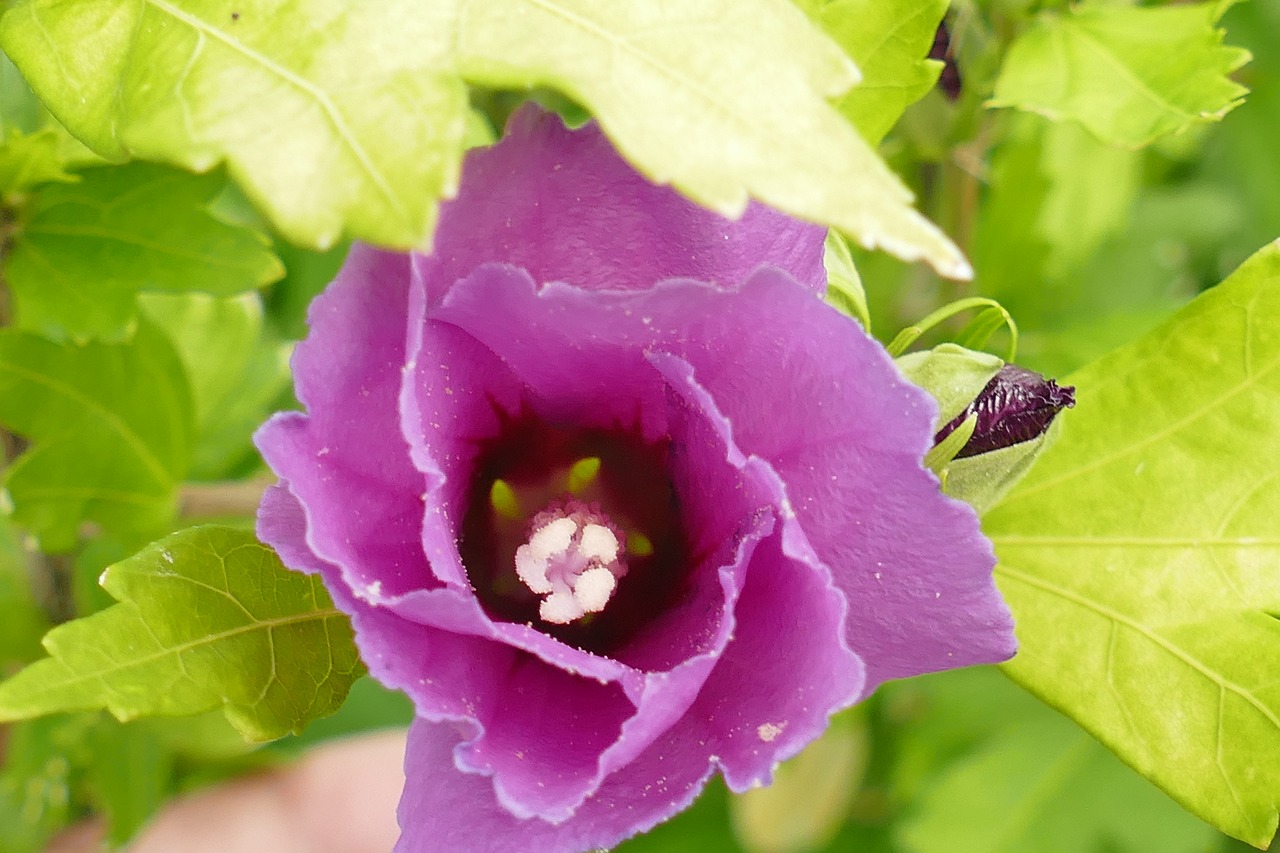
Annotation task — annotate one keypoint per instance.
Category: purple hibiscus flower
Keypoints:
(614, 497)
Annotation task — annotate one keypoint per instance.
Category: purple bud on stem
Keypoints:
(1017, 405)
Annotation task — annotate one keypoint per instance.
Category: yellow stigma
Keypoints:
(583, 474)
(638, 545)
(503, 500)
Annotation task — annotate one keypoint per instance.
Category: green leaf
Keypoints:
(19, 107)
(29, 160)
(724, 99)
(1129, 74)
(939, 718)
(306, 275)
(332, 116)
(701, 827)
(83, 251)
(1239, 153)
(1056, 195)
(131, 776)
(42, 764)
(889, 41)
(368, 707)
(1044, 785)
(236, 373)
(22, 621)
(1141, 557)
(59, 766)
(207, 618)
(110, 427)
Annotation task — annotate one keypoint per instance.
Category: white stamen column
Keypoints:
(573, 558)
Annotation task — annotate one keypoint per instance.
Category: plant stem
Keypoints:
(214, 500)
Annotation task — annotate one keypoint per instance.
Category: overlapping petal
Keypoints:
(564, 206)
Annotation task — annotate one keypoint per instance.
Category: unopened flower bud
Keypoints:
(1017, 405)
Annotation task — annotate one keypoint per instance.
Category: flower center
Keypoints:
(573, 559)
(555, 516)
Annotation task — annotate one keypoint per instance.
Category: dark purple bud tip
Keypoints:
(1016, 406)
(949, 81)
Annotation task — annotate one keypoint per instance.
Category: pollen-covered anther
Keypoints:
(594, 589)
(573, 559)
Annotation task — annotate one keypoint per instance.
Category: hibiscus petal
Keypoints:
(444, 809)
(912, 562)
(345, 460)
(788, 667)
(564, 206)
(282, 523)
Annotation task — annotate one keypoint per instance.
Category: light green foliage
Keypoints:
(22, 622)
(1129, 74)
(1032, 781)
(1056, 194)
(57, 766)
(1141, 555)
(27, 160)
(1239, 156)
(131, 775)
(337, 118)
(110, 429)
(1091, 187)
(236, 373)
(207, 618)
(19, 108)
(84, 250)
(889, 41)
(332, 116)
(42, 762)
(721, 98)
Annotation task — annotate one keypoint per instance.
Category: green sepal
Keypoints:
(951, 374)
(844, 285)
(976, 333)
(954, 376)
(942, 453)
(982, 480)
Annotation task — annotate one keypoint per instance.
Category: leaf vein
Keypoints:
(326, 104)
(1138, 628)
